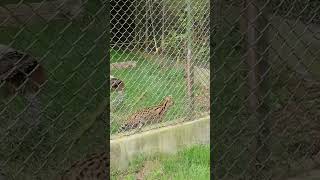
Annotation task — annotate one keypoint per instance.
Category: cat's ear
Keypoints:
(169, 98)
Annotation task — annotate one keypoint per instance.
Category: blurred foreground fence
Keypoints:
(53, 85)
(266, 88)
(159, 62)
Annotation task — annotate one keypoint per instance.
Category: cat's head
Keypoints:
(169, 100)
(116, 84)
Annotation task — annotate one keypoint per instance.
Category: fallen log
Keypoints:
(123, 65)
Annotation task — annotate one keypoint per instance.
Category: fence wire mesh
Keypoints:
(266, 88)
(53, 85)
(159, 63)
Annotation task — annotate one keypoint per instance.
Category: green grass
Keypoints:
(189, 163)
(73, 60)
(147, 84)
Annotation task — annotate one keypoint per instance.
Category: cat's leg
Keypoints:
(141, 124)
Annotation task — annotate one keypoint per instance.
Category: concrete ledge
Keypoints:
(164, 140)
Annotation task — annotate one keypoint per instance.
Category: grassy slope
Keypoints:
(147, 84)
(190, 163)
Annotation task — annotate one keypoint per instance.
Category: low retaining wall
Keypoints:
(168, 139)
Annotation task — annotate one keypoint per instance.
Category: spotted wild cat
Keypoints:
(148, 115)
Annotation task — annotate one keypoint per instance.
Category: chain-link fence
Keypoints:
(159, 63)
(266, 88)
(53, 85)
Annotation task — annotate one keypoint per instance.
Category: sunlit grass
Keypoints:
(190, 163)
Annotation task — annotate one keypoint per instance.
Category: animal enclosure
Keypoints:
(45, 129)
(266, 88)
(168, 43)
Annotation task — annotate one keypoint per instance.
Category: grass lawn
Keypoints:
(190, 163)
(147, 84)
(74, 61)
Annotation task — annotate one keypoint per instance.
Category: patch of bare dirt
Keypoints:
(147, 167)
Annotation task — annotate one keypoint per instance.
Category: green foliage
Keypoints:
(177, 36)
